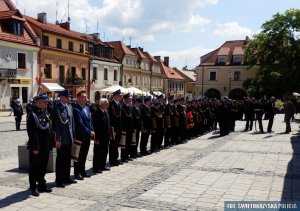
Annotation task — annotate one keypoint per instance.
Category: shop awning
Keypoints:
(53, 87)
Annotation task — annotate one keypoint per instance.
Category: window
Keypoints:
(45, 40)
(22, 60)
(237, 76)
(222, 59)
(115, 75)
(83, 73)
(48, 71)
(17, 28)
(58, 43)
(213, 76)
(94, 73)
(127, 62)
(105, 74)
(61, 73)
(71, 46)
(81, 48)
(237, 59)
(136, 81)
(73, 72)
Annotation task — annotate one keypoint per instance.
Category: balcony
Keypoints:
(72, 81)
(6, 73)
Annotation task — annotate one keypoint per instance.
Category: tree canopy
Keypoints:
(276, 51)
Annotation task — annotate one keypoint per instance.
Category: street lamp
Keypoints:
(230, 78)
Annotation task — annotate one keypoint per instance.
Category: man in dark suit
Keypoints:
(101, 123)
(84, 133)
(137, 122)
(146, 124)
(64, 130)
(127, 126)
(114, 110)
(39, 144)
(271, 112)
(18, 113)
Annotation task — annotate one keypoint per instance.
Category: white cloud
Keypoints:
(140, 19)
(180, 58)
(232, 29)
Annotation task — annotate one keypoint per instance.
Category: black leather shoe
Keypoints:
(105, 169)
(60, 185)
(78, 177)
(114, 164)
(97, 171)
(35, 193)
(45, 189)
(70, 181)
(85, 175)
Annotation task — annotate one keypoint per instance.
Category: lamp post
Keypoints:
(230, 78)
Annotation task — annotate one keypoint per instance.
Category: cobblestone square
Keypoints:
(198, 175)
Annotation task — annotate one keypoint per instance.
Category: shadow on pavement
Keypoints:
(3, 131)
(17, 170)
(291, 186)
(215, 137)
(14, 198)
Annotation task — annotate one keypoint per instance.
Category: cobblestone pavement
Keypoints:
(198, 175)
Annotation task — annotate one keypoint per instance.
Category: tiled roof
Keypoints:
(9, 11)
(139, 53)
(56, 29)
(189, 74)
(227, 49)
(170, 73)
(150, 57)
(121, 50)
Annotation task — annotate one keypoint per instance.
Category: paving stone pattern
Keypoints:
(198, 175)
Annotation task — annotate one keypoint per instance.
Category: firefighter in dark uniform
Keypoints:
(127, 126)
(137, 122)
(64, 129)
(162, 100)
(169, 118)
(114, 110)
(223, 116)
(157, 127)
(146, 125)
(175, 121)
(39, 144)
(18, 113)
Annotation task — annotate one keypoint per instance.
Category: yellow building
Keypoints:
(223, 71)
(63, 57)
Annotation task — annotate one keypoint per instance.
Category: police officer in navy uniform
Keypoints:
(137, 122)
(39, 144)
(146, 125)
(64, 130)
(84, 131)
(127, 126)
(114, 110)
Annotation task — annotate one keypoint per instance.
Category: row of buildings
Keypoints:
(38, 56)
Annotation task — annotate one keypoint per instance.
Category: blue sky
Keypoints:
(181, 29)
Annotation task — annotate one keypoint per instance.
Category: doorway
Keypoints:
(25, 94)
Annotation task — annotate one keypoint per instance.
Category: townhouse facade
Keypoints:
(18, 56)
(223, 71)
(173, 83)
(104, 68)
(63, 57)
(190, 90)
(156, 77)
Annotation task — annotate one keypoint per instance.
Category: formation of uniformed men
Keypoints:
(125, 122)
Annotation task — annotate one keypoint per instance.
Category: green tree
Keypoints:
(276, 51)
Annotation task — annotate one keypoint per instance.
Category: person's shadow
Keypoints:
(291, 186)
(14, 198)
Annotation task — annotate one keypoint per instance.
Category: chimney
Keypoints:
(42, 17)
(96, 36)
(157, 58)
(166, 61)
(141, 49)
(65, 25)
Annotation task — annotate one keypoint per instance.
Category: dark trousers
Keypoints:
(37, 169)
(175, 135)
(144, 141)
(114, 149)
(100, 155)
(63, 164)
(270, 124)
(168, 137)
(249, 122)
(134, 148)
(259, 120)
(18, 122)
(125, 153)
(79, 166)
(157, 139)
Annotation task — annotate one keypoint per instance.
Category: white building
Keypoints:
(18, 56)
